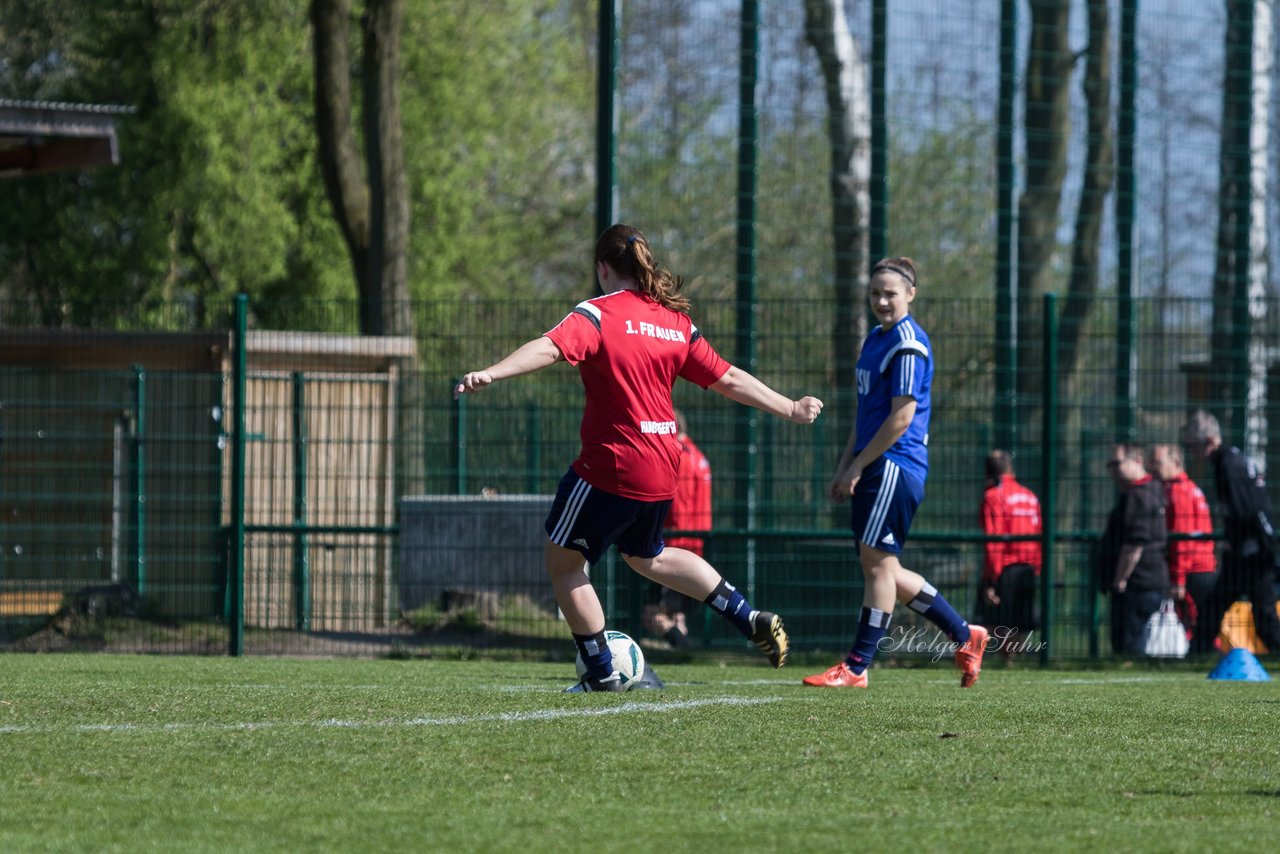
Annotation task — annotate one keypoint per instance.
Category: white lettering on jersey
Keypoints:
(662, 428)
(864, 381)
(652, 331)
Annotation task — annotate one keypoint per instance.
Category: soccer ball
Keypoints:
(628, 658)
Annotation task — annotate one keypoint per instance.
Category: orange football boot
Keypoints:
(839, 676)
(969, 655)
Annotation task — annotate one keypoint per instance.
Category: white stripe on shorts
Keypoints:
(570, 515)
(875, 522)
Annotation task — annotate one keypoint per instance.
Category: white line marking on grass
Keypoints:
(736, 682)
(630, 707)
(555, 714)
(1120, 680)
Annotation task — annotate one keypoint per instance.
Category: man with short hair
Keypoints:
(1133, 548)
(1248, 562)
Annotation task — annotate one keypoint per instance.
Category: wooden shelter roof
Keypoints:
(39, 137)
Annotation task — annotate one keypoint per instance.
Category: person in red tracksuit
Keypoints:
(1193, 568)
(1009, 574)
(690, 511)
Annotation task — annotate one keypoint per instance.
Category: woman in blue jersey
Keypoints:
(883, 468)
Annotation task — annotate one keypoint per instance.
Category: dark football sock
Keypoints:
(732, 605)
(595, 654)
(872, 626)
(937, 610)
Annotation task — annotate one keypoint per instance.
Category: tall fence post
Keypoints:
(301, 555)
(140, 478)
(746, 357)
(1048, 471)
(878, 191)
(458, 443)
(1239, 83)
(533, 455)
(607, 50)
(1005, 344)
(239, 399)
(1126, 206)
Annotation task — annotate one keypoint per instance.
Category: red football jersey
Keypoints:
(1010, 508)
(629, 350)
(1188, 513)
(691, 507)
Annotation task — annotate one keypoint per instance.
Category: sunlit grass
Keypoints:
(140, 753)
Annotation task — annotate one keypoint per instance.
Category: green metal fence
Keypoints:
(324, 494)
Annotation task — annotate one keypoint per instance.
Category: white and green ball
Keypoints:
(628, 658)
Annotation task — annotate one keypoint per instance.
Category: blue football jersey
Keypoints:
(896, 363)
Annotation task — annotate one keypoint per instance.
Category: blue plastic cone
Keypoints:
(1240, 665)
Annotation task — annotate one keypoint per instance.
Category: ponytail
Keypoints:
(626, 250)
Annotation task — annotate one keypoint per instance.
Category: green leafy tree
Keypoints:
(217, 189)
(499, 127)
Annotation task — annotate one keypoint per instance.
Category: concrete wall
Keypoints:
(474, 544)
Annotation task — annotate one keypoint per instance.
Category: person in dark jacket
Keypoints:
(1133, 548)
(1249, 559)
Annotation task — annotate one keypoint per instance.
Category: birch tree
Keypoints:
(1240, 276)
(849, 134)
(1259, 142)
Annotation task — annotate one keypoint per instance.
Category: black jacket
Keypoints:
(1138, 519)
(1246, 511)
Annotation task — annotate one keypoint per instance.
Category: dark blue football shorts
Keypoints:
(884, 503)
(590, 520)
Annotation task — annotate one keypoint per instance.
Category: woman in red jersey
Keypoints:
(629, 346)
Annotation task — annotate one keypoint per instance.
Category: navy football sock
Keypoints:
(872, 626)
(732, 605)
(938, 611)
(595, 653)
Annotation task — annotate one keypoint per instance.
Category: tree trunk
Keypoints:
(385, 299)
(370, 199)
(1082, 287)
(1099, 172)
(369, 196)
(1047, 91)
(339, 150)
(849, 134)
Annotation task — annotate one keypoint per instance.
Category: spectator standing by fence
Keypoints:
(1249, 556)
(1193, 568)
(1134, 564)
(629, 346)
(1011, 567)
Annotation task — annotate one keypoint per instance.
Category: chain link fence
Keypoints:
(380, 515)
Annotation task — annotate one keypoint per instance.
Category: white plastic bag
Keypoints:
(1164, 636)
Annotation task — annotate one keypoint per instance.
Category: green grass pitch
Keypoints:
(113, 753)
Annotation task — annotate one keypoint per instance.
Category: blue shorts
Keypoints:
(590, 520)
(884, 503)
